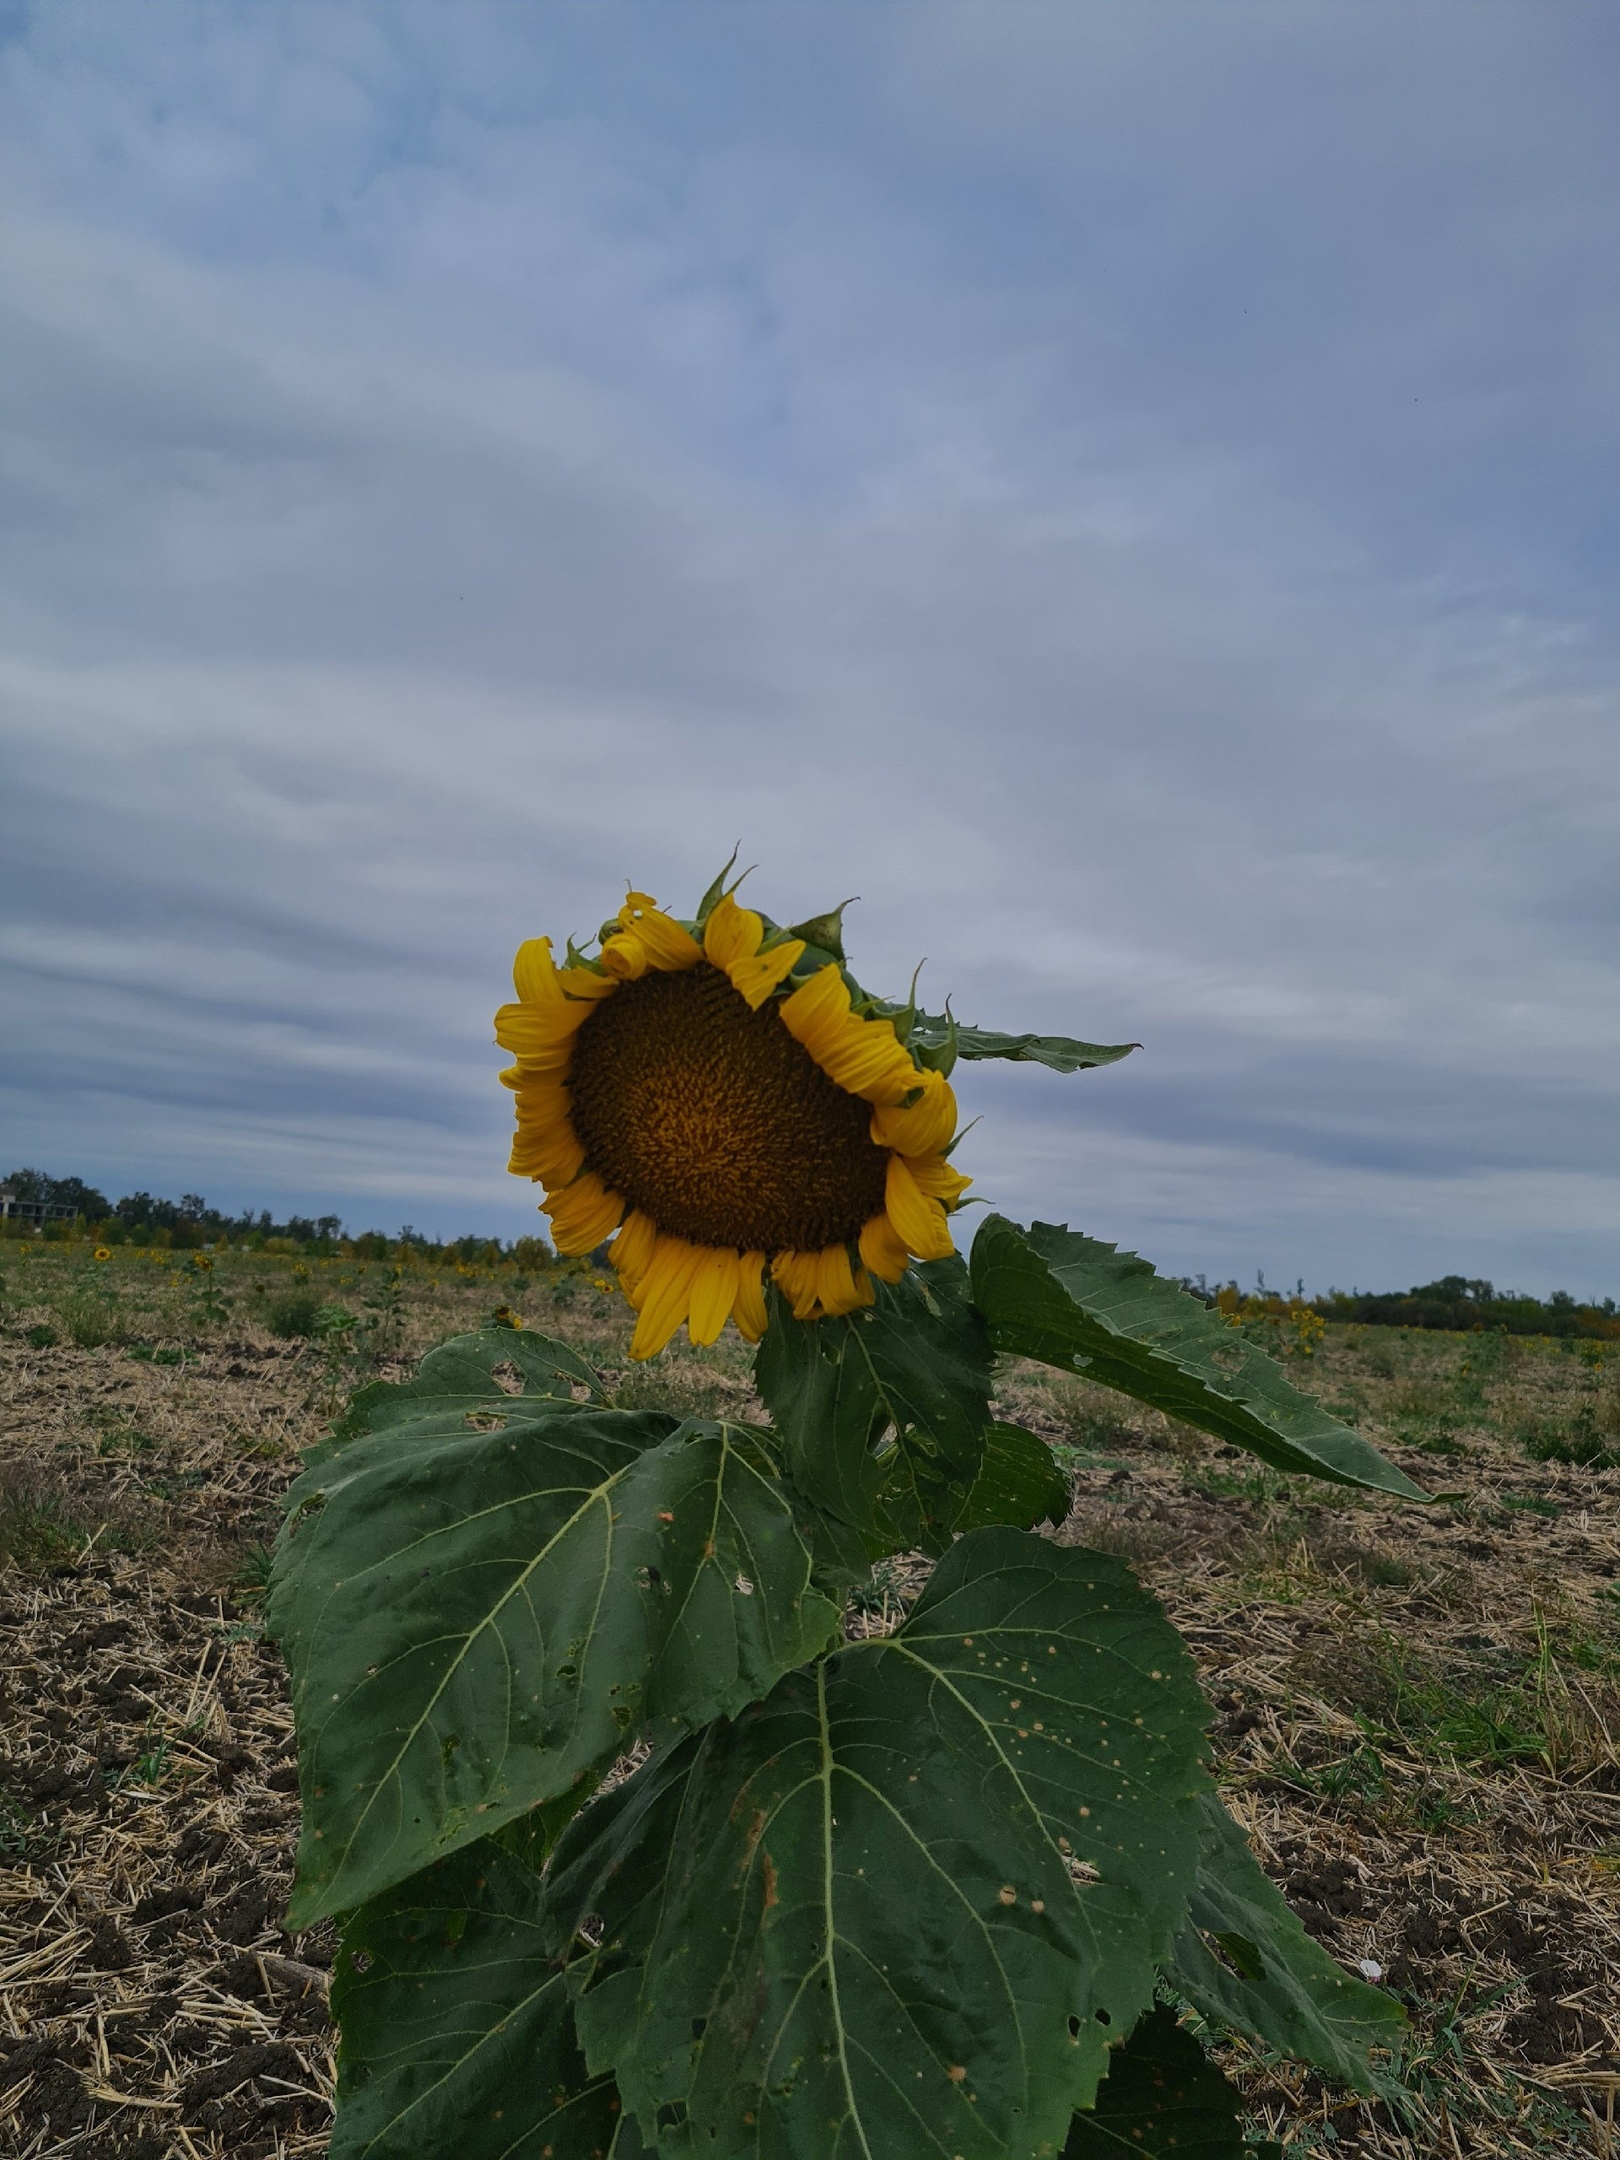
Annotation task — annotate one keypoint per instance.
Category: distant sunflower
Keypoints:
(725, 1121)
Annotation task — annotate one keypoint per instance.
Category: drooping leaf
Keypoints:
(461, 1372)
(883, 1412)
(1062, 1053)
(1271, 1980)
(458, 2028)
(1163, 2099)
(1019, 1483)
(1050, 1293)
(480, 1619)
(901, 1906)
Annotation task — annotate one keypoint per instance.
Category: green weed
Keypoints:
(251, 1582)
(39, 1530)
(1589, 1437)
(295, 1315)
(1266, 1487)
(23, 1837)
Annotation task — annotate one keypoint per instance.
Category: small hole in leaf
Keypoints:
(508, 1377)
(1103, 2018)
(745, 1586)
(698, 2025)
(360, 1961)
(1074, 2028)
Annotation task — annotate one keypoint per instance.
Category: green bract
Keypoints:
(638, 1850)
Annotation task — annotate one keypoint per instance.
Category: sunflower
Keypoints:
(712, 1097)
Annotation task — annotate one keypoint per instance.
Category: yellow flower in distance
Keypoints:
(719, 1119)
(102, 1252)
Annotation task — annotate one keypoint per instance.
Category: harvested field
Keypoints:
(1416, 1710)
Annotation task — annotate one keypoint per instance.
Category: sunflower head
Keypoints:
(720, 1099)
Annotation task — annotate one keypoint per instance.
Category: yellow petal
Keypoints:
(666, 1296)
(555, 1157)
(757, 977)
(625, 956)
(714, 1292)
(541, 1101)
(937, 1179)
(815, 1009)
(883, 1250)
(537, 1030)
(749, 1310)
(583, 1213)
(794, 1274)
(731, 933)
(837, 1285)
(665, 943)
(633, 1250)
(539, 981)
(927, 1126)
(534, 973)
(919, 1220)
(866, 1058)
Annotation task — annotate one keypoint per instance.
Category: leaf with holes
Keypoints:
(480, 1619)
(1018, 1483)
(462, 1373)
(458, 2029)
(1162, 2100)
(901, 1905)
(1050, 1293)
(1271, 1981)
(883, 1412)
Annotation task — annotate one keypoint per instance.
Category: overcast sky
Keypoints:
(1128, 489)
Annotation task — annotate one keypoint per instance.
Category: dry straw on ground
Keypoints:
(1416, 1711)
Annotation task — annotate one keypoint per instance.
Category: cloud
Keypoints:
(1034, 482)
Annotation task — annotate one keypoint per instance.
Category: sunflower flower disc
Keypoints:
(718, 1115)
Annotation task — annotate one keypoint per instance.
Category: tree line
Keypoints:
(190, 1222)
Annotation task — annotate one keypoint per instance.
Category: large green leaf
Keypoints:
(1019, 1483)
(901, 1906)
(883, 1412)
(1163, 2099)
(936, 1031)
(461, 1374)
(480, 1619)
(1271, 1981)
(458, 2029)
(1050, 1293)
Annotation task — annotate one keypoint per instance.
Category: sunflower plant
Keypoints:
(637, 1848)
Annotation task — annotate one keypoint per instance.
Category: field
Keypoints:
(1416, 1711)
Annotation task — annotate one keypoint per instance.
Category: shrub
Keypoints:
(1590, 1439)
(295, 1313)
(42, 1337)
(91, 1321)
